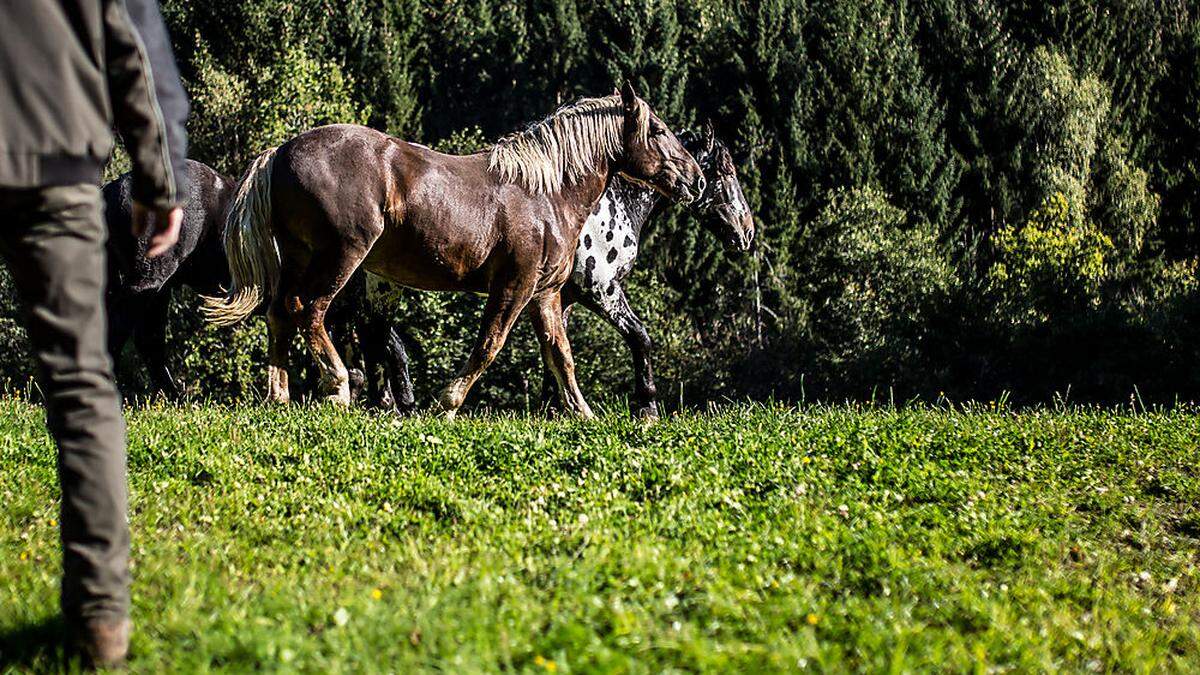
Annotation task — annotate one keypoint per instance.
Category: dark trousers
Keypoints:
(53, 241)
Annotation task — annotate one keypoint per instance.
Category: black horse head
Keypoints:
(722, 206)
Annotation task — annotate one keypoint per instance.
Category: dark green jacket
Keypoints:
(72, 69)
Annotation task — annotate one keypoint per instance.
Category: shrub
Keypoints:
(1054, 260)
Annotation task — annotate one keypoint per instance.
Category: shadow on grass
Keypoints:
(37, 646)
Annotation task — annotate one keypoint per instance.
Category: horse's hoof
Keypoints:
(648, 413)
(341, 399)
(398, 411)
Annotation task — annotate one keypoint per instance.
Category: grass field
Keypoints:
(756, 539)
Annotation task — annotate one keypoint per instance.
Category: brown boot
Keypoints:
(103, 643)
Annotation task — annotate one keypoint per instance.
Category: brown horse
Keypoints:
(503, 223)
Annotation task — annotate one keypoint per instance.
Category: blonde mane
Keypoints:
(565, 146)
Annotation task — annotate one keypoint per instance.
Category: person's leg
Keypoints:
(53, 240)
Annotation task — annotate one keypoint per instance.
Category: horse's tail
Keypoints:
(250, 248)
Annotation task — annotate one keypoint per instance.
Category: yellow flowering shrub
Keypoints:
(1054, 255)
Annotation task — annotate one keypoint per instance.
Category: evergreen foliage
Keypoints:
(939, 186)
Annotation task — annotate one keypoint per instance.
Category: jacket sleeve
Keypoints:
(148, 102)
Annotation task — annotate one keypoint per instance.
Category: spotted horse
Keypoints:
(608, 250)
(605, 255)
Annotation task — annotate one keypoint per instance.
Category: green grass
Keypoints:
(756, 539)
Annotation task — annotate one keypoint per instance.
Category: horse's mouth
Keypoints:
(679, 192)
(740, 241)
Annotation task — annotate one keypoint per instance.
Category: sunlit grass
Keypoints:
(757, 538)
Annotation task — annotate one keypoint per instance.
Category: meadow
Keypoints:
(754, 538)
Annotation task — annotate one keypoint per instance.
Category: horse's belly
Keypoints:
(428, 261)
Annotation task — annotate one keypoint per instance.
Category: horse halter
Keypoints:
(707, 201)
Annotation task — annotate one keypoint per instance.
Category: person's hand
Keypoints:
(162, 224)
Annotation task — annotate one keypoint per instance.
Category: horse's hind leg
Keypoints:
(327, 272)
(548, 323)
(280, 330)
(347, 330)
(551, 393)
(616, 311)
(504, 306)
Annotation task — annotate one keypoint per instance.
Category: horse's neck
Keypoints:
(587, 191)
(635, 201)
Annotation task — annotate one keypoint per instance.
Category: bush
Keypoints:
(865, 295)
(1054, 261)
(16, 361)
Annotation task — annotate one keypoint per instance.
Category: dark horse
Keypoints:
(504, 223)
(139, 287)
(606, 254)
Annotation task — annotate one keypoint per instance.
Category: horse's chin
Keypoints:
(738, 242)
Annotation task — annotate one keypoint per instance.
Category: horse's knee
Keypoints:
(488, 350)
(644, 341)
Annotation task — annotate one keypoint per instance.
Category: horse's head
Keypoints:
(722, 207)
(653, 156)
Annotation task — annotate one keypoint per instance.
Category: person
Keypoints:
(69, 71)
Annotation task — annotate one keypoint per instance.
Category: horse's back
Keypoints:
(425, 218)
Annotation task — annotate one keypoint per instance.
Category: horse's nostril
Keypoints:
(700, 185)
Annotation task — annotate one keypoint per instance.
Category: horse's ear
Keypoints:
(628, 96)
(616, 91)
(709, 135)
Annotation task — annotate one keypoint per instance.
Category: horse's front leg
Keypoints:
(616, 311)
(124, 314)
(504, 306)
(551, 331)
(388, 383)
(150, 338)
